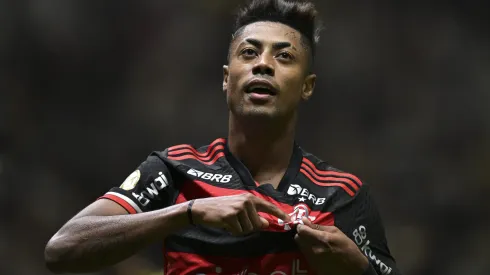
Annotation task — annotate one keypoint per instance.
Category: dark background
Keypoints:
(89, 88)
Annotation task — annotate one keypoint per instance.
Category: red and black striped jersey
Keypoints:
(310, 188)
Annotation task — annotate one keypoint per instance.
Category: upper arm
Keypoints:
(148, 188)
(360, 220)
(102, 208)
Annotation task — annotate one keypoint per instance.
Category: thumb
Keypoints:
(307, 222)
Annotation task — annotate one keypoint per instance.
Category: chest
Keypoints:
(212, 251)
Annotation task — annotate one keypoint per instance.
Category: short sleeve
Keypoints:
(149, 187)
(360, 220)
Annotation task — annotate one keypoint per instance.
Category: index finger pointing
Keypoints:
(269, 208)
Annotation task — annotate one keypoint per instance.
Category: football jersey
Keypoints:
(310, 188)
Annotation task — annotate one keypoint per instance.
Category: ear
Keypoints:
(308, 87)
(225, 78)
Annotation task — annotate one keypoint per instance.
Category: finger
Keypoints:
(269, 208)
(308, 234)
(234, 226)
(330, 229)
(245, 223)
(264, 222)
(255, 219)
(308, 248)
(307, 222)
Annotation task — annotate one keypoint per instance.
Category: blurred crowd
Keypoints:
(89, 88)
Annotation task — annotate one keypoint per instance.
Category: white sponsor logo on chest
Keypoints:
(296, 190)
(209, 176)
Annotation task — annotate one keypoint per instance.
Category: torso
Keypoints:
(309, 187)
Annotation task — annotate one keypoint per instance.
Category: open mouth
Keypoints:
(261, 88)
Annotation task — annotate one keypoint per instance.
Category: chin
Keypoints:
(260, 112)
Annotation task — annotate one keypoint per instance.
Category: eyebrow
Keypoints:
(275, 45)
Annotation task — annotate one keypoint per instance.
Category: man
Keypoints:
(253, 203)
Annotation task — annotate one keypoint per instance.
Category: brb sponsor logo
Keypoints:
(295, 189)
(152, 191)
(300, 211)
(209, 176)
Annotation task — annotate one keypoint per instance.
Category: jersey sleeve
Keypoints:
(149, 187)
(360, 220)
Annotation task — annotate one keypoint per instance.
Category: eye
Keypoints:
(248, 52)
(285, 55)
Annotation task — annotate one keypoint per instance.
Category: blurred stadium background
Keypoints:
(89, 88)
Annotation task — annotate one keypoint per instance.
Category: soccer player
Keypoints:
(253, 203)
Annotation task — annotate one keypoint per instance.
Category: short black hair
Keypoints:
(300, 15)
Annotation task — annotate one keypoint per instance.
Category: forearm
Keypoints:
(93, 242)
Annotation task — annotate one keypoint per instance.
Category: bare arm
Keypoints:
(103, 234)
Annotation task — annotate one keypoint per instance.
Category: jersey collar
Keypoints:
(247, 179)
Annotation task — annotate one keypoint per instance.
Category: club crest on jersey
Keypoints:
(131, 181)
(209, 176)
(301, 210)
(296, 190)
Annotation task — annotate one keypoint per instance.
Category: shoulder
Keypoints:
(188, 155)
(321, 173)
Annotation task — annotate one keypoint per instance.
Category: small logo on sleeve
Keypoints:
(131, 181)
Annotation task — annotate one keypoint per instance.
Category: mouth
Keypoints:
(260, 87)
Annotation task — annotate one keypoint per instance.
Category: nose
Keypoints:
(263, 66)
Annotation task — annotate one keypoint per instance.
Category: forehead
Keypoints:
(269, 32)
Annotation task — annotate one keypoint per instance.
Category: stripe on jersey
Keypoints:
(220, 141)
(341, 185)
(212, 154)
(329, 179)
(217, 242)
(124, 201)
(192, 156)
(353, 179)
(188, 151)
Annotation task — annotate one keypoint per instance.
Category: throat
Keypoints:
(273, 179)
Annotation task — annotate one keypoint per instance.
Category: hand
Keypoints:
(329, 250)
(237, 214)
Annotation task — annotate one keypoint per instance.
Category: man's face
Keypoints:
(267, 72)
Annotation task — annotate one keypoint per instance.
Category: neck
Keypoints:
(264, 147)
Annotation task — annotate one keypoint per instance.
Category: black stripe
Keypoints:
(214, 242)
(329, 181)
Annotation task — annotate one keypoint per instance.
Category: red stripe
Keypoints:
(193, 152)
(342, 185)
(121, 202)
(187, 146)
(191, 190)
(332, 173)
(216, 157)
(317, 177)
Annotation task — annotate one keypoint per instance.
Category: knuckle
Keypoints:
(230, 215)
(248, 196)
